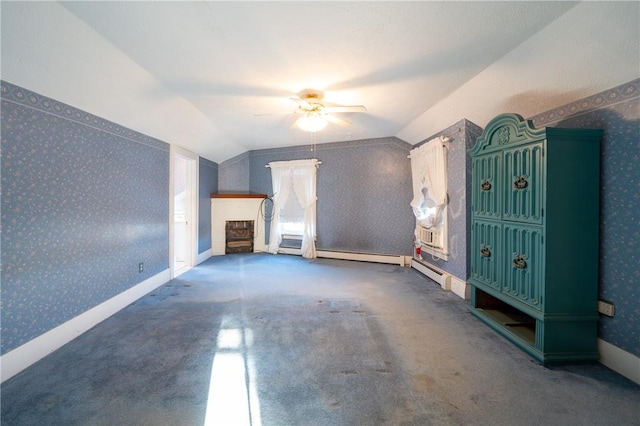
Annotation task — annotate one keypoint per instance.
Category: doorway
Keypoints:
(183, 211)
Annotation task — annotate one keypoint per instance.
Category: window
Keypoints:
(294, 203)
(429, 178)
(292, 219)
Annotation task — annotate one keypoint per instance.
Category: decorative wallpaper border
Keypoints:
(618, 94)
(16, 94)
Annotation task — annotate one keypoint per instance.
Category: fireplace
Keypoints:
(238, 236)
(237, 223)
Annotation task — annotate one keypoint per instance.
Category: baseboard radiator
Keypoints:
(437, 275)
(343, 255)
(363, 257)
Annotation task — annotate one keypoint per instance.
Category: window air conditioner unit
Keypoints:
(430, 237)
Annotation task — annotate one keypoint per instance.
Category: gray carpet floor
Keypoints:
(281, 340)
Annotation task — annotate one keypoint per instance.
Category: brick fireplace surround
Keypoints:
(236, 207)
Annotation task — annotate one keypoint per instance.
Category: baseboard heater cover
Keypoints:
(342, 255)
(363, 257)
(290, 250)
(437, 275)
(345, 255)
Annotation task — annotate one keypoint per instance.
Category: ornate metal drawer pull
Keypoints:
(485, 251)
(485, 185)
(519, 262)
(520, 183)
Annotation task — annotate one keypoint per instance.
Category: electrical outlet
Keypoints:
(140, 267)
(606, 308)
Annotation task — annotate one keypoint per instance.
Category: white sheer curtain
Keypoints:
(281, 184)
(429, 178)
(299, 175)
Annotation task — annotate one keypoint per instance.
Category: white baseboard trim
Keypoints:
(203, 256)
(34, 350)
(363, 257)
(460, 287)
(619, 360)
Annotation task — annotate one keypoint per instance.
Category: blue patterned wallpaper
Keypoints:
(83, 201)
(234, 174)
(207, 185)
(364, 190)
(617, 111)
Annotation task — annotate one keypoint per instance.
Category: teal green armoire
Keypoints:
(534, 237)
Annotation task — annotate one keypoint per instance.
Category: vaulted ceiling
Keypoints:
(216, 77)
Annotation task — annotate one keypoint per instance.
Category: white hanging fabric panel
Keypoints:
(280, 184)
(297, 177)
(429, 179)
(304, 185)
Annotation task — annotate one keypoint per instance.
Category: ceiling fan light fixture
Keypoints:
(311, 122)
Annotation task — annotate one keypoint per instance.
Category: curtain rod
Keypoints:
(445, 141)
(317, 163)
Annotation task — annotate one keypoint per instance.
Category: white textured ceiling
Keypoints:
(196, 74)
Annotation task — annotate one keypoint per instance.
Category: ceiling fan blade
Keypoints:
(272, 113)
(346, 108)
(301, 102)
(336, 120)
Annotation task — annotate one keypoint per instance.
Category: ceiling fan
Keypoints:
(315, 115)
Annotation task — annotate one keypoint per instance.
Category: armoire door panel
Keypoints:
(486, 253)
(522, 263)
(523, 184)
(486, 198)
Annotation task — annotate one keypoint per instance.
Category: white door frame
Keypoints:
(191, 201)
